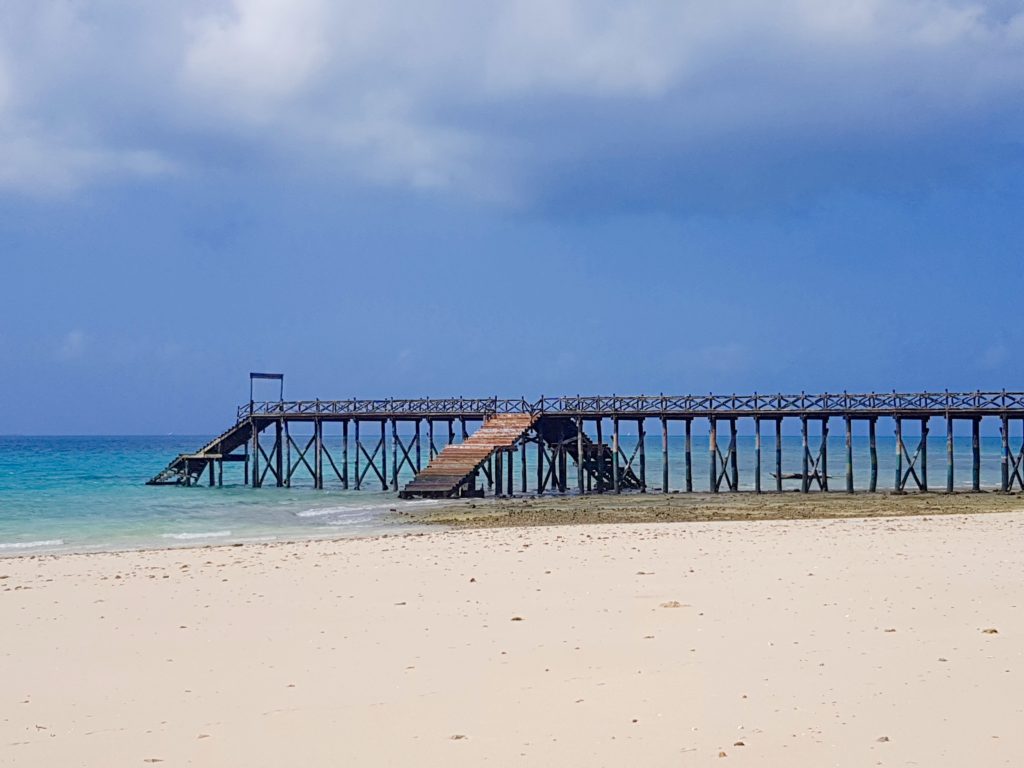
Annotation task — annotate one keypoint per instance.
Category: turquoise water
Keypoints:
(89, 493)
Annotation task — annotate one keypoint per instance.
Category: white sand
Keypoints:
(382, 651)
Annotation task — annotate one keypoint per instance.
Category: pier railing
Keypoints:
(631, 406)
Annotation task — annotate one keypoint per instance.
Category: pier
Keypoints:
(463, 447)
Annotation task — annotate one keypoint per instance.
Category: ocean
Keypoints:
(80, 494)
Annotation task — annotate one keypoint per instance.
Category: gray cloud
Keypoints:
(514, 103)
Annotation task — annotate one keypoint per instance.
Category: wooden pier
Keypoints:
(470, 442)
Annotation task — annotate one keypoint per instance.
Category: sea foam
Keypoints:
(31, 544)
(201, 535)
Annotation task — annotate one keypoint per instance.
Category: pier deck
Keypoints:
(572, 430)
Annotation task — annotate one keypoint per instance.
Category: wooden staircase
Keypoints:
(457, 464)
(187, 467)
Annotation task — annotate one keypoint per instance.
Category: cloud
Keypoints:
(519, 103)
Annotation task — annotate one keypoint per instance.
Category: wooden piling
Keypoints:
(318, 453)
(757, 454)
(642, 437)
(664, 455)
(600, 456)
(1004, 465)
(976, 454)
(734, 456)
(394, 455)
(873, 449)
(805, 481)
(778, 455)
(579, 455)
(419, 453)
(615, 454)
(383, 456)
(359, 477)
(924, 454)
(279, 460)
(713, 451)
(898, 486)
(344, 454)
(823, 474)
(949, 454)
(849, 455)
(509, 487)
(689, 455)
(541, 461)
(255, 456)
(499, 471)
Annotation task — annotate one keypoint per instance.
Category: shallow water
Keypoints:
(89, 493)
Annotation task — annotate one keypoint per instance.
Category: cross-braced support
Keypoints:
(404, 453)
(272, 462)
(375, 460)
(1012, 467)
(622, 464)
(724, 466)
(814, 464)
(914, 461)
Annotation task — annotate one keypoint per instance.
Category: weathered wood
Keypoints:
(778, 455)
(664, 455)
(923, 449)
(642, 437)
(318, 454)
(279, 460)
(579, 455)
(344, 454)
(734, 456)
(359, 476)
(757, 454)
(849, 454)
(689, 456)
(873, 448)
(615, 453)
(499, 474)
(949, 454)
(823, 457)
(976, 454)
(898, 487)
(805, 481)
(600, 457)
(383, 456)
(255, 457)
(1004, 462)
(713, 450)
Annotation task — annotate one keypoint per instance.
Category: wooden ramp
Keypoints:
(456, 464)
(188, 467)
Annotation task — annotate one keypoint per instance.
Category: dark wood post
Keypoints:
(733, 455)
(510, 456)
(394, 455)
(689, 455)
(384, 456)
(873, 448)
(499, 472)
(344, 454)
(778, 454)
(664, 455)
(431, 447)
(899, 455)
(220, 473)
(579, 455)
(1004, 467)
(563, 463)
(823, 482)
(600, 455)
(522, 463)
(976, 453)
(246, 446)
(949, 453)
(288, 456)
(924, 454)
(713, 451)
(615, 454)
(358, 451)
(318, 453)
(805, 481)
(849, 454)
(255, 455)
(212, 480)
(419, 453)
(279, 459)
(642, 436)
(541, 460)
(757, 454)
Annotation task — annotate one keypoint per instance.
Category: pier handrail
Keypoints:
(670, 406)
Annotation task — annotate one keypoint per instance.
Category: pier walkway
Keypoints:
(574, 432)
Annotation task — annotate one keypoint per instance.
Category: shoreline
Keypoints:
(605, 509)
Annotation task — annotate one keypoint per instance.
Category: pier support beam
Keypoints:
(757, 454)
(949, 454)
(616, 450)
(579, 455)
(976, 454)
(689, 455)
(778, 455)
(849, 454)
(873, 449)
(664, 455)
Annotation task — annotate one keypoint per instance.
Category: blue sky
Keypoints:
(538, 198)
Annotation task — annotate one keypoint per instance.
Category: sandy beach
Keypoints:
(848, 642)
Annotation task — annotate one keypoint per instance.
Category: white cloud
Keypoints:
(481, 100)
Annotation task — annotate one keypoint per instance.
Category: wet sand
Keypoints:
(691, 507)
(851, 642)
